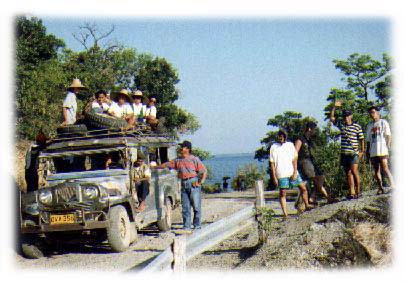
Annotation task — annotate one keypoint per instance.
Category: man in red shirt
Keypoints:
(192, 173)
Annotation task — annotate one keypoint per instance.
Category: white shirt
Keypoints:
(282, 155)
(70, 103)
(104, 106)
(120, 111)
(151, 111)
(376, 133)
(138, 108)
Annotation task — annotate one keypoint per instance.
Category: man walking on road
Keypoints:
(283, 161)
(192, 173)
(352, 149)
(378, 137)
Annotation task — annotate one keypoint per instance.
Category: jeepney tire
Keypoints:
(33, 248)
(133, 232)
(72, 128)
(103, 121)
(119, 231)
(165, 223)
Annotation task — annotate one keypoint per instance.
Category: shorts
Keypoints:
(377, 160)
(308, 169)
(348, 160)
(287, 183)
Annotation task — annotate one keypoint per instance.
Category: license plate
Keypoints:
(62, 218)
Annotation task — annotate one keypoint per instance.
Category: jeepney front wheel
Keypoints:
(165, 223)
(119, 230)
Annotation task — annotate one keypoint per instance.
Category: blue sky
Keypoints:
(236, 73)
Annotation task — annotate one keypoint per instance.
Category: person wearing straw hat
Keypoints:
(70, 102)
(121, 107)
(139, 109)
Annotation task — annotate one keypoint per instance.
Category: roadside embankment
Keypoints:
(346, 234)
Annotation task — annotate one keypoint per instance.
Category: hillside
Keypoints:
(347, 234)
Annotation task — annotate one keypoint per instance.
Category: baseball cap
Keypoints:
(346, 113)
(186, 144)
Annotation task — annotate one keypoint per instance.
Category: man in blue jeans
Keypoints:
(192, 174)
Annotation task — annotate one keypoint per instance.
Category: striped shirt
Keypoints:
(188, 167)
(350, 136)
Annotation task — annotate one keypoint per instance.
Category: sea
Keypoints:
(227, 165)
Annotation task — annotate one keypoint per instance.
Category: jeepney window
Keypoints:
(101, 161)
(163, 153)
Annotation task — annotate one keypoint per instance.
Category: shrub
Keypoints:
(211, 188)
(249, 174)
(328, 159)
(266, 216)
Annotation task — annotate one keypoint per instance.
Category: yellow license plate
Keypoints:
(62, 218)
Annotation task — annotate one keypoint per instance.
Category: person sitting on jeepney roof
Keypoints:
(141, 177)
(70, 102)
(139, 109)
(151, 113)
(121, 107)
(100, 105)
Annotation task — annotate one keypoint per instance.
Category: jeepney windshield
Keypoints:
(86, 162)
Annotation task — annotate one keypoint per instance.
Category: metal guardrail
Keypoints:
(205, 238)
(185, 247)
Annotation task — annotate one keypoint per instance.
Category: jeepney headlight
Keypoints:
(45, 197)
(90, 192)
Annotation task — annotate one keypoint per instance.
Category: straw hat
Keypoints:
(139, 94)
(123, 92)
(76, 83)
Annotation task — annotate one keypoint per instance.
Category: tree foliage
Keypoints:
(291, 122)
(368, 82)
(202, 154)
(34, 45)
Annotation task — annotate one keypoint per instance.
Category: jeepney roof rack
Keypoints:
(111, 133)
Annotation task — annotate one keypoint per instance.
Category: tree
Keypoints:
(34, 45)
(368, 82)
(202, 154)
(292, 122)
(362, 71)
(39, 77)
(157, 77)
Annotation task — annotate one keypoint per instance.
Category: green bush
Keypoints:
(250, 173)
(328, 159)
(211, 188)
(266, 216)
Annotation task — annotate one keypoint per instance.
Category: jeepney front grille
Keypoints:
(65, 194)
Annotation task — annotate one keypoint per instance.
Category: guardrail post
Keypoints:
(179, 249)
(260, 203)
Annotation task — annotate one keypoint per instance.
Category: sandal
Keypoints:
(380, 191)
(331, 201)
(351, 197)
